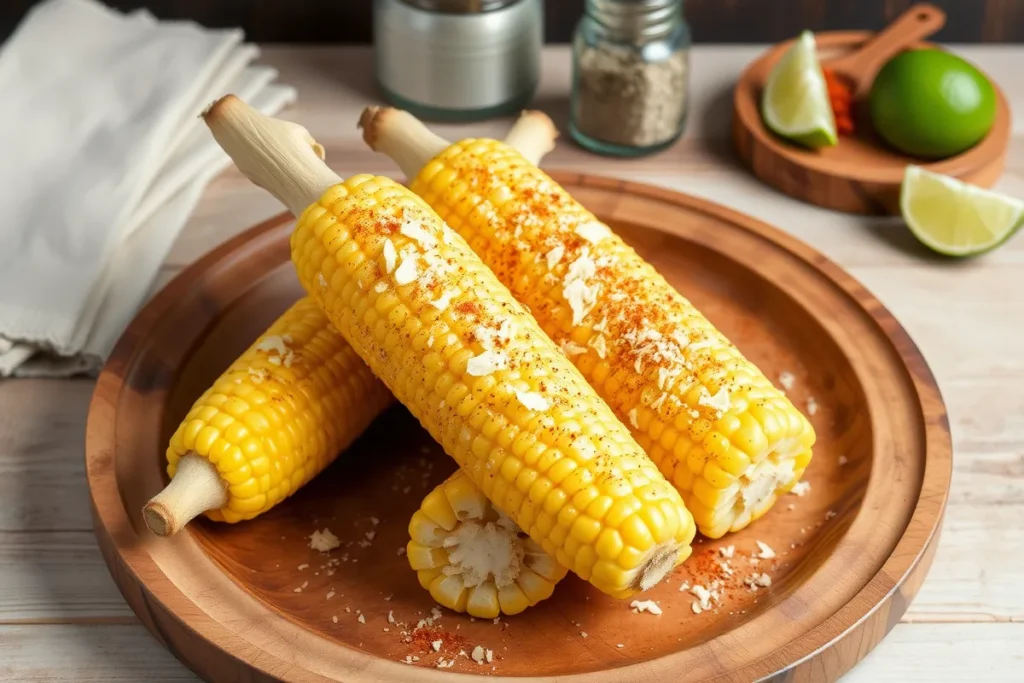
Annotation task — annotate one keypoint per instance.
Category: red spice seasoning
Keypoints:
(425, 637)
(841, 96)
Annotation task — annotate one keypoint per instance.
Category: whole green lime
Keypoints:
(931, 104)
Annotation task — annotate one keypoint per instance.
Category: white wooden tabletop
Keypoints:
(61, 618)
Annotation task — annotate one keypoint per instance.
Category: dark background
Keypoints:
(720, 21)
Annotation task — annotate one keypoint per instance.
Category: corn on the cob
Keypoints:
(472, 558)
(715, 426)
(277, 416)
(199, 486)
(467, 360)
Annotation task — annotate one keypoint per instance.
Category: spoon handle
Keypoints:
(918, 22)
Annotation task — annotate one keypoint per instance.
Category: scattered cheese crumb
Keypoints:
(497, 620)
(801, 488)
(391, 616)
(401, 551)
(334, 619)
(437, 645)
(632, 419)
(348, 610)
(303, 566)
(620, 645)
(445, 299)
(830, 514)
(416, 232)
(787, 380)
(554, 256)
(477, 655)
(812, 405)
(389, 256)
(645, 606)
(324, 541)
(593, 231)
(489, 655)
(330, 595)
(361, 619)
(584, 634)
(442, 664)
(407, 271)
(572, 349)
(370, 535)
(766, 553)
(684, 586)
(719, 401)
(728, 551)
(702, 594)
(486, 363)
(756, 581)
(299, 589)
(843, 460)
(696, 607)
(374, 521)
(532, 400)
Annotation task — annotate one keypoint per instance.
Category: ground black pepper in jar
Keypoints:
(630, 76)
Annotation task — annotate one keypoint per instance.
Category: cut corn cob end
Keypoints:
(474, 559)
(274, 419)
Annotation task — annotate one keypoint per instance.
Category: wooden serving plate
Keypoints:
(232, 602)
(860, 174)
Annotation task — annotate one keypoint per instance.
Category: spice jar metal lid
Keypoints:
(635, 20)
(458, 60)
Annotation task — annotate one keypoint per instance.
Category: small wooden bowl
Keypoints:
(860, 174)
(253, 602)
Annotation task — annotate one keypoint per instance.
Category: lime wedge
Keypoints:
(795, 103)
(954, 218)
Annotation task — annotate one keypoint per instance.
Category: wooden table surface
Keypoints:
(62, 618)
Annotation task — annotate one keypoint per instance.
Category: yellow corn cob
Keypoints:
(468, 361)
(715, 426)
(277, 416)
(474, 559)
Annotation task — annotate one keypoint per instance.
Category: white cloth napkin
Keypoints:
(103, 159)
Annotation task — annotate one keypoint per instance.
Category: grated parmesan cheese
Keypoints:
(406, 272)
(600, 346)
(645, 606)
(323, 541)
(632, 419)
(572, 349)
(380, 287)
(801, 488)
(533, 400)
(787, 380)
(415, 231)
(445, 299)
(719, 401)
(554, 256)
(390, 256)
(486, 363)
(593, 231)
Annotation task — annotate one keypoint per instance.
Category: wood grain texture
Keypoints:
(964, 317)
(851, 555)
(938, 653)
(859, 174)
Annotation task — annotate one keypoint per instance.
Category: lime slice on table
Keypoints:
(795, 103)
(954, 218)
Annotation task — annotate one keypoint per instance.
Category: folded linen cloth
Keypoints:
(104, 159)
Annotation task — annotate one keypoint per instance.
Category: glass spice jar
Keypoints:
(631, 62)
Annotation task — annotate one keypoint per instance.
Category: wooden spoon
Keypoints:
(860, 67)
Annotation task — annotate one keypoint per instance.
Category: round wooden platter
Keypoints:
(860, 174)
(253, 602)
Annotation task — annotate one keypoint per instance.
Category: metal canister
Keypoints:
(458, 59)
